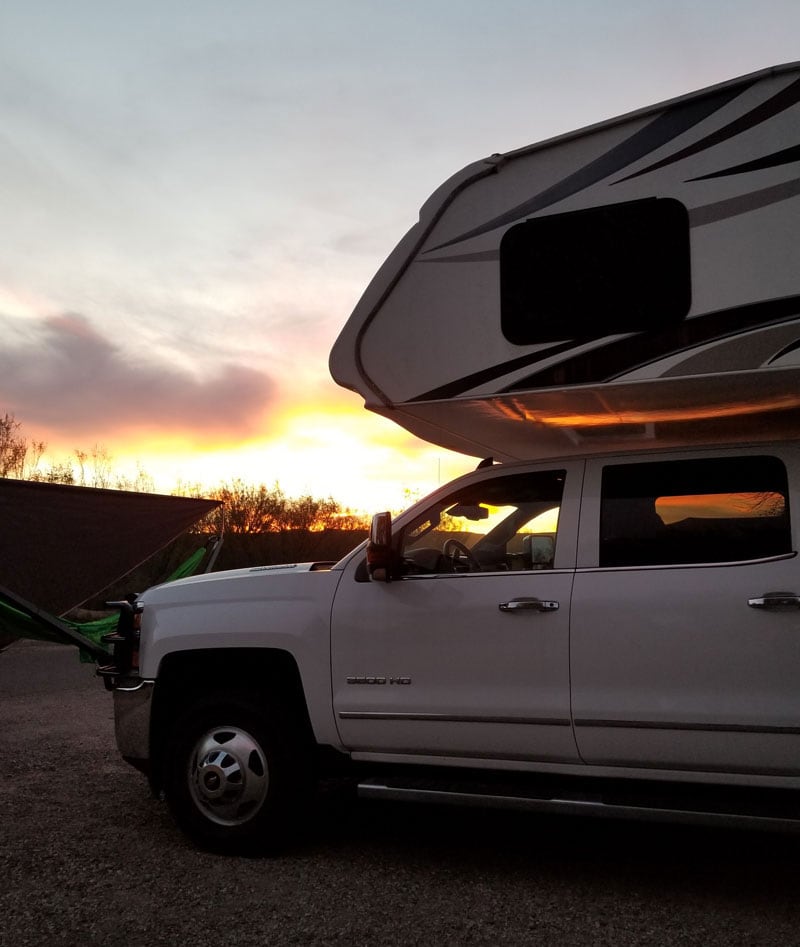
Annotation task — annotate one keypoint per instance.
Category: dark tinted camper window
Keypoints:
(590, 273)
(717, 510)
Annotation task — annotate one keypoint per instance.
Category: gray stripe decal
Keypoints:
(670, 124)
(480, 256)
(616, 357)
(773, 106)
(711, 213)
(775, 160)
(698, 217)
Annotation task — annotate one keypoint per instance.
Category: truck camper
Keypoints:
(606, 621)
(634, 282)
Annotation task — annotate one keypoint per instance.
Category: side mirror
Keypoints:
(380, 556)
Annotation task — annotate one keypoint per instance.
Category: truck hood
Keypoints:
(187, 588)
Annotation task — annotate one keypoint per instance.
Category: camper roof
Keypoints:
(639, 278)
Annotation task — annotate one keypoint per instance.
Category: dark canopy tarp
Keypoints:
(22, 619)
(59, 545)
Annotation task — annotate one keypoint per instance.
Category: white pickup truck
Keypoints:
(609, 619)
(581, 634)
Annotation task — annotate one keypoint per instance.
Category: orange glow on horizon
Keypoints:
(328, 448)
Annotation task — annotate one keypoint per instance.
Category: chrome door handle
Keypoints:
(775, 600)
(528, 604)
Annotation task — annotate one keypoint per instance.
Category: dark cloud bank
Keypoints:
(76, 380)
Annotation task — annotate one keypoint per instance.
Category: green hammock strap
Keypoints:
(94, 630)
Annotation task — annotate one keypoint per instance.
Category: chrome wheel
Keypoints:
(228, 776)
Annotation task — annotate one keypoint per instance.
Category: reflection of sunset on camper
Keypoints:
(518, 411)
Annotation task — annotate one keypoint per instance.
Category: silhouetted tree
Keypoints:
(55, 473)
(247, 508)
(15, 451)
(310, 514)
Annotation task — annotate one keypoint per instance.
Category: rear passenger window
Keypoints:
(716, 510)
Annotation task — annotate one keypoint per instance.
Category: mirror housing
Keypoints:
(380, 555)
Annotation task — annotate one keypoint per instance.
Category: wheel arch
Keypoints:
(270, 676)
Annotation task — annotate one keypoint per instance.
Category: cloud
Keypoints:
(70, 378)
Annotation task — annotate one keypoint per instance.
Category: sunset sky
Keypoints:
(194, 195)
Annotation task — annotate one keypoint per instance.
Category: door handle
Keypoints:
(775, 600)
(528, 604)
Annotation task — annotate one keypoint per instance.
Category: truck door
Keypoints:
(466, 653)
(685, 620)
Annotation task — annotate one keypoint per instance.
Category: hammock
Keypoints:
(41, 626)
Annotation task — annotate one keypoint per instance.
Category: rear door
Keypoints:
(685, 619)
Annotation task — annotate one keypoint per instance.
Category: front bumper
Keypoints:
(133, 703)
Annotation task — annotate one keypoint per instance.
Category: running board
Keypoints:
(786, 821)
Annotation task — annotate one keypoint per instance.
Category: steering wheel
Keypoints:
(454, 550)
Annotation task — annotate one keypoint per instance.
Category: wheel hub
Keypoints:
(228, 776)
(213, 780)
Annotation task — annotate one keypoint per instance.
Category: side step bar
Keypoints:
(783, 819)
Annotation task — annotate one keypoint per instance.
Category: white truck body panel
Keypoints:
(432, 663)
(286, 608)
(662, 668)
(677, 654)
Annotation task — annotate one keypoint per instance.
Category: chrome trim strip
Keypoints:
(565, 722)
(444, 576)
(135, 687)
(582, 569)
(672, 725)
(454, 718)
(688, 565)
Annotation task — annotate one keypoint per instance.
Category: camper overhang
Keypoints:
(715, 410)
(639, 278)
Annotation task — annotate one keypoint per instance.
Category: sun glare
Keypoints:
(362, 461)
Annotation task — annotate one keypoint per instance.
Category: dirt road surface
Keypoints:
(87, 858)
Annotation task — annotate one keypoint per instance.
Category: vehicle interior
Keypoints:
(503, 524)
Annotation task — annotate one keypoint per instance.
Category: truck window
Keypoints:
(714, 510)
(500, 525)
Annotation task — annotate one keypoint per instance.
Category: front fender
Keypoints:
(288, 612)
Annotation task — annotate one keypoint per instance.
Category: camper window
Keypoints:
(591, 273)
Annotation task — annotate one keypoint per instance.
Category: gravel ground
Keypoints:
(88, 857)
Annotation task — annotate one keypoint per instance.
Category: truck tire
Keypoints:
(235, 772)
